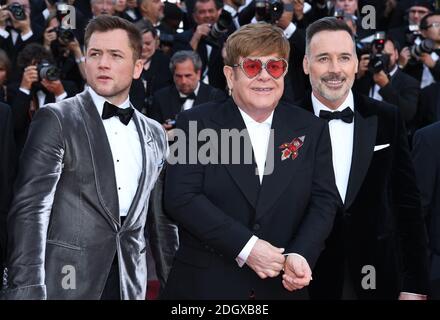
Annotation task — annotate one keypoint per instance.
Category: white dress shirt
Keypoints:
(189, 102)
(341, 134)
(126, 151)
(259, 132)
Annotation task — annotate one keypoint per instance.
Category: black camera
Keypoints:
(425, 46)
(219, 29)
(48, 71)
(269, 10)
(64, 34)
(17, 11)
(379, 61)
(339, 14)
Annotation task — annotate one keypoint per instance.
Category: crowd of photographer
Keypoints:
(42, 59)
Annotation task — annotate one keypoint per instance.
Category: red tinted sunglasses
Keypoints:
(276, 68)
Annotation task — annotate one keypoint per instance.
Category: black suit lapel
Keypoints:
(172, 104)
(102, 157)
(202, 95)
(245, 175)
(365, 130)
(276, 182)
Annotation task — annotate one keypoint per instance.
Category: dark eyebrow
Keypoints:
(110, 50)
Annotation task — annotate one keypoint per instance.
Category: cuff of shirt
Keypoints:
(244, 253)
(46, 13)
(415, 294)
(4, 33)
(26, 36)
(61, 97)
(25, 91)
(290, 30)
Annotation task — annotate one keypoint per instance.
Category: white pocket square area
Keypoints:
(381, 146)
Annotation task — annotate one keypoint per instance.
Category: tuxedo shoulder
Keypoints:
(204, 110)
(431, 131)
(294, 113)
(370, 106)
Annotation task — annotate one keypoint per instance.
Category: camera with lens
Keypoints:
(339, 14)
(269, 10)
(64, 34)
(219, 29)
(17, 10)
(425, 46)
(48, 71)
(379, 61)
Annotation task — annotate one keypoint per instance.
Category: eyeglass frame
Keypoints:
(263, 66)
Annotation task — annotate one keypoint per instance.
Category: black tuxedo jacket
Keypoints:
(157, 77)
(220, 206)
(380, 224)
(166, 102)
(402, 91)
(7, 170)
(428, 110)
(214, 62)
(426, 158)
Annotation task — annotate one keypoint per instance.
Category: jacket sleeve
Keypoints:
(39, 172)
(410, 224)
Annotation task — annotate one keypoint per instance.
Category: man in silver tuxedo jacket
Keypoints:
(77, 222)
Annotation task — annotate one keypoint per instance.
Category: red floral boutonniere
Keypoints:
(291, 148)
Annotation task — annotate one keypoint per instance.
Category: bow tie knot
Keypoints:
(191, 96)
(111, 110)
(345, 115)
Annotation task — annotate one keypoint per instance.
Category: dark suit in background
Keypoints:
(426, 158)
(402, 91)
(167, 103)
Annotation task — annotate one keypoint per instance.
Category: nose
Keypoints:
(334, 66)
(104, 61)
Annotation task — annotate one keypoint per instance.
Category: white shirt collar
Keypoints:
(318, 106)
(249, 122)
(196, 91)
(230, 9)
(99, 101)
(392, 72)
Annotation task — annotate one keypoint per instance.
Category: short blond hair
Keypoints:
(256, 38)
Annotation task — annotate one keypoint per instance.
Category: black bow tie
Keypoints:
(345, 115)
(191, 96)
(111, 110)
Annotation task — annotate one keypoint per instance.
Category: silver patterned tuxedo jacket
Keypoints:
(64, 225)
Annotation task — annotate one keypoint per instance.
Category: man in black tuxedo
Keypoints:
(377, 249)
(7, 170)
(426, 158)
(263, 206)
(186, 92)
(428, 110)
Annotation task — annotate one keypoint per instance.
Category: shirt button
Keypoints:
(119, 188)
(117, 160)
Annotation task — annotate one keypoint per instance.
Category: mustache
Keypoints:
(333, 77)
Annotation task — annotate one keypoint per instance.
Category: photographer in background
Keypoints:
(16, 30)
(40, 84)
(380, 78)
(66, 49)
(421, 61)
(208, 17)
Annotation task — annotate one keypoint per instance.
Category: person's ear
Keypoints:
(306, 65)
(229, 75)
